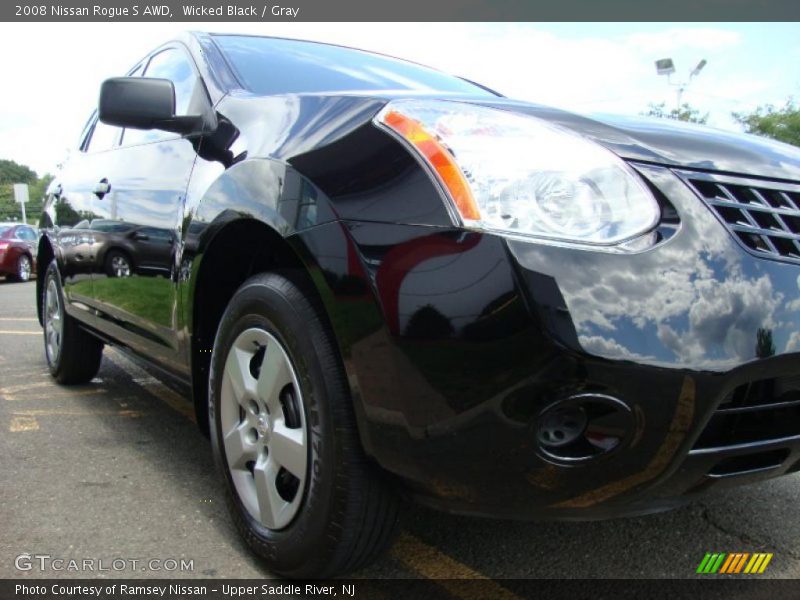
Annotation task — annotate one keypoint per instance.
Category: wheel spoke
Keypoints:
(53, 322)
(273, 377)
(287, 448)
(272, 508)
(238, 448)
(237, 367)
(56, 323)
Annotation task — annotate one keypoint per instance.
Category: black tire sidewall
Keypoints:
(265, 303)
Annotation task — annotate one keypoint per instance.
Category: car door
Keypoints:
(73, 196)
(144, 188)
(156, 247)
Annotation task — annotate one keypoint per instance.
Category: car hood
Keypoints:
(675, 143)
(646, 139)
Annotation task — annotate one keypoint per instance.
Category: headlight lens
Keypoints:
(519, 175)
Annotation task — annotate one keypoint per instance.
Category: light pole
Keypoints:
(665, 66)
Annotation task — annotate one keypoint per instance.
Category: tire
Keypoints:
(22, 270)
(73, 355)
(346, 513)
(118, 264)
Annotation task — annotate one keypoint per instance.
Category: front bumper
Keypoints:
(456, 342)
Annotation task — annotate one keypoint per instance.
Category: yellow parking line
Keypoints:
(18, 319)
(12, 392)
(143, 379)
(430, 563)
(19, 332)
(13, 389)
(20, 423)
(27, 420)
(56, 393)
(71, 412)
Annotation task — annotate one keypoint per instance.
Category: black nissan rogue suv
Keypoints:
(382, 281)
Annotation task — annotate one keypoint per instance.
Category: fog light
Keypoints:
(583, 427)
(562, 426)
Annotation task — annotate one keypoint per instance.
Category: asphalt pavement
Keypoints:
(117, 470)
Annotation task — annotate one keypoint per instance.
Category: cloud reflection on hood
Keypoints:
(696, 301)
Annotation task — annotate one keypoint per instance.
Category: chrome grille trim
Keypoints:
(762, 216)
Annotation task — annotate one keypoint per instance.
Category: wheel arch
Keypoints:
(239, 249)
(44, 256)
(102, 256)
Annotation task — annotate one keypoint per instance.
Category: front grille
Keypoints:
(763, 216)
(757, 412)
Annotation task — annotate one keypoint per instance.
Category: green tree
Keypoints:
(11, 173)
(685, 112)
(764, 345)
(782, 124)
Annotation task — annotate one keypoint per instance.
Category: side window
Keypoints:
(98, 136)
(174, 65)
(26, 233)
(156, 234)
(110, 226)
(103, 137)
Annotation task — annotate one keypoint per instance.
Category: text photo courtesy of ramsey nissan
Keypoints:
(469, 305)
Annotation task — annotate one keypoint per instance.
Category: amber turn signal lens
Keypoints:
(439, 159)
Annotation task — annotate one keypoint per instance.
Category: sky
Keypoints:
(52, 71)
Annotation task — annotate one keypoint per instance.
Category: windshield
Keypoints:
(3, 229)
(269, 66)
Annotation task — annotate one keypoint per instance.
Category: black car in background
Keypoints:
(110, 245)
(382, 281)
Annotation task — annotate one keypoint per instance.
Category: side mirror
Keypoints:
(144, 103)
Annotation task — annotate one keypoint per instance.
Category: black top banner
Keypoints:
(408, 10)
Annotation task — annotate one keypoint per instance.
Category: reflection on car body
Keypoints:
(118, 249)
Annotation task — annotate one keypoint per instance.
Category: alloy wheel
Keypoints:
(264, 428)
(53, 322)
(24, 268)
(120, 266)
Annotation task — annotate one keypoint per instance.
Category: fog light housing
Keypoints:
(583, 427)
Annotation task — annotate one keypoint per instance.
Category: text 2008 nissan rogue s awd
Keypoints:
(382, 281)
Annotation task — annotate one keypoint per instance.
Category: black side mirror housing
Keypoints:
(144, 103)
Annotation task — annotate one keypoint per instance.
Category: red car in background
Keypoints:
(17, 251)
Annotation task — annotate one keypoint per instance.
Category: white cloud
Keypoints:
(724, 315)
(609, 348)
(697, 38)
(793, 343)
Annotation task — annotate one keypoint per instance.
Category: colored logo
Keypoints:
(734, 563)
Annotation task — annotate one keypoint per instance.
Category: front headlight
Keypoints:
(518, 175)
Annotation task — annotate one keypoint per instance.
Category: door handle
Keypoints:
(101, 188)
